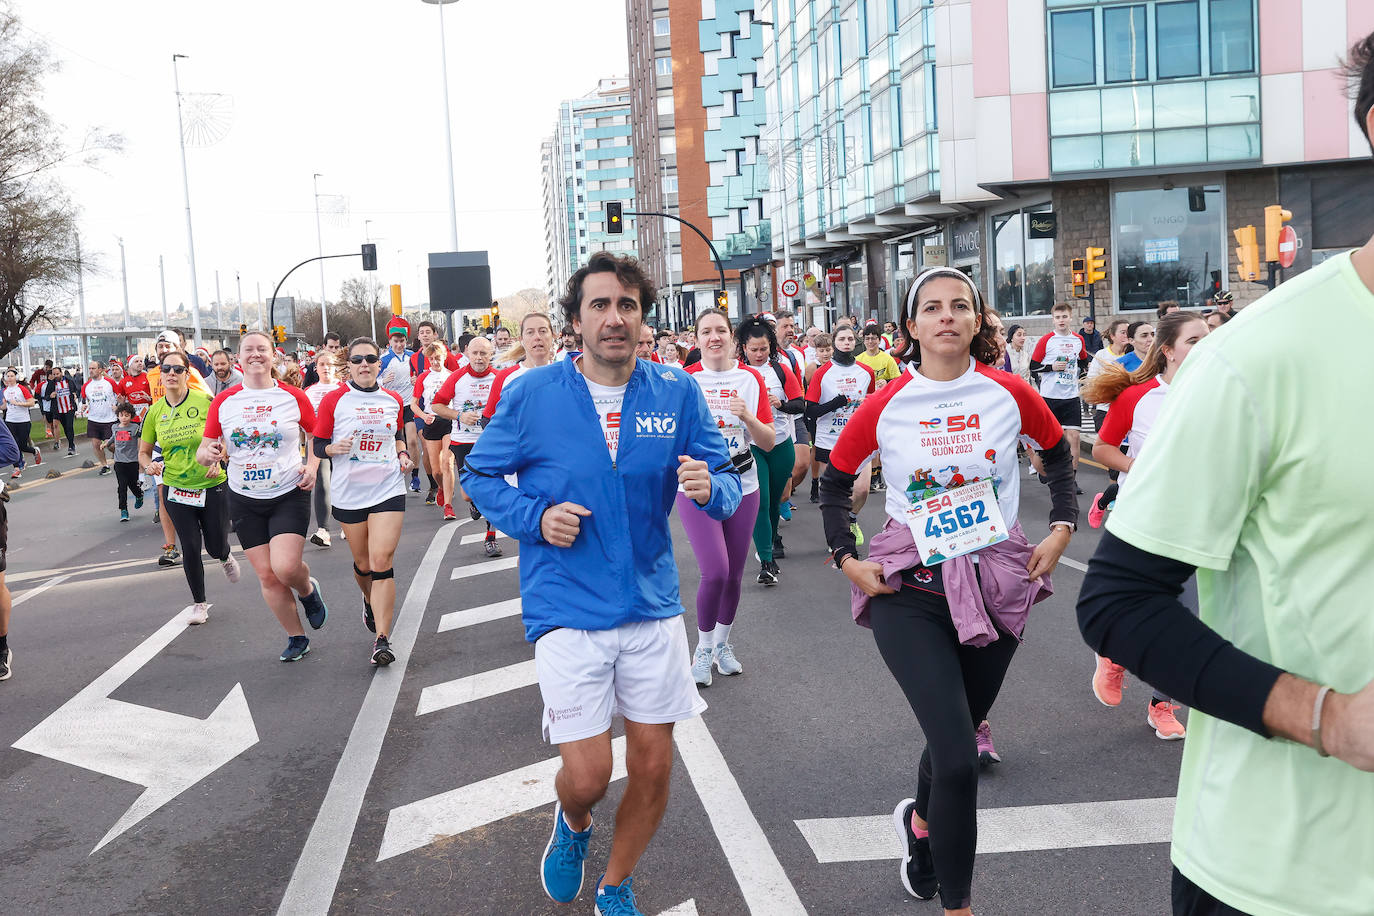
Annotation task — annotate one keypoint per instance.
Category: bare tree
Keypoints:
(38, 257)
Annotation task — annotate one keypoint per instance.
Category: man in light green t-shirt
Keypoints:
(1254, 476)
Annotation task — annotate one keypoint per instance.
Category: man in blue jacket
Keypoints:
(598, 585)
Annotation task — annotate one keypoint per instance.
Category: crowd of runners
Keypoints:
(727, 424)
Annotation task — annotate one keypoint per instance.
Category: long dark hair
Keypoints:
(983, 347)
(1107, 387)
(752, 327)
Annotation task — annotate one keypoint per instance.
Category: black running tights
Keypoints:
(126, 479)
(951, 687)
(196, 526)
(20, 432)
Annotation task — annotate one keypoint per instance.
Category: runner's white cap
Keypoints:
(170, 336)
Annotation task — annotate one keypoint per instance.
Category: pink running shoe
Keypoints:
(1161, 718)
(1094, 513)
(1109, 679)
(987, 754)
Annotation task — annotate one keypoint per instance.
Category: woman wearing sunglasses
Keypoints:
(361, 429)
(195, 496)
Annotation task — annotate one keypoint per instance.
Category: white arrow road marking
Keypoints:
(476, 687)
(479, 569)
(317, 871)
(765, 886)
(165, 752)
(450, 813)
(686, 908)
(456, 620)
(1020, 829)
(38, 590)
(480, 536)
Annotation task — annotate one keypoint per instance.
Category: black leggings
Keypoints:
(195, 525)
(20, 432)
(951, 687)
(126, 479)
(68, 427)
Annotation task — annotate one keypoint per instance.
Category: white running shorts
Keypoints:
(641, 671)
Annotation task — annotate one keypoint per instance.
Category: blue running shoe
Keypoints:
(562, 867)
(785, 511)
(296, 647)
(315, 610)
(612, 900)
(415, 483)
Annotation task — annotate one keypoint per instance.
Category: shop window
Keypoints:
(1023, 273)
(1165, 249)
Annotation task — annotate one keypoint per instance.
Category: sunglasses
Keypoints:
(174, 369)
(361, 358)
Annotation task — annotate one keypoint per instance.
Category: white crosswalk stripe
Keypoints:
(455, 620)
(476, 687)
(481, 569)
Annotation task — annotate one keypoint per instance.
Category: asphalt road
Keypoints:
(326, 787)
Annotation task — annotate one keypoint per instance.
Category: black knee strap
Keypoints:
(362, 572)
(383, 574)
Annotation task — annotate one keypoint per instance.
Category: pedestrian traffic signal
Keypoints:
(1247, 253)
(279, 334)
(1097, 265)
(722, 299)
(1274, 219)
(369, 256)
(1078, 267)
(615, 220)
(1216, 283)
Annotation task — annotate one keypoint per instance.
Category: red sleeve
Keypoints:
(451, 363)
(694, 368)
(1038, 354)
(859, 438)
(400, 417)
(791, 388)
(415, 363)
(28, 395)
(813, 391)
(446, 391)
(1037, 420)
(84, 386)
(494, 398)
(653, 357)
(324, 419)
(764, 410)
(419, 391)
(307, 409)
(1121, 415)
(212, 427)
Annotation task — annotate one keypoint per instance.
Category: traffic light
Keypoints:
(279, 333)
(1097, 265)
(615, 220)
(722, 299)
(1247, 253)
(495, 314)
(1216, 283)
(1274, 218)
(369, 256)
(1078, 267)
(243, 329)
(486, 321)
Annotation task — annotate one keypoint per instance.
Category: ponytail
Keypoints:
(1107, 387)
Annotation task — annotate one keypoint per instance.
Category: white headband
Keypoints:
(933, 272)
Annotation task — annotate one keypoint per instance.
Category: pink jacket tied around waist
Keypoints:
(999, 599)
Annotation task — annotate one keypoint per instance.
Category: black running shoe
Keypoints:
(917, 869)
(766, 575)
(6, 658)
(490, 546)
(430, 498)
(367, 616)
(381, 652)
(315, 610)
(296, 647)
(779, 552)
(474, 511)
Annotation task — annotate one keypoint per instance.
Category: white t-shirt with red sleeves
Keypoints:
(743, 382)
(317, 391)
(100, 397)
(371, 471)
(503, 377)
(784, 388)
(465, 390)
(1133, 414)
(15, 395)
(1052, 348)
(261, 428)
(427, 385)
(855, 381)
(941, 434)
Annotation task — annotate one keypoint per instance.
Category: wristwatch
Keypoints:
(1069, 525)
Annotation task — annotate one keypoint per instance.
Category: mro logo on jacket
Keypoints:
(656, 425)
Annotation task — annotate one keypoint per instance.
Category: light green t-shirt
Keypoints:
(1257, 473)
(179, 430)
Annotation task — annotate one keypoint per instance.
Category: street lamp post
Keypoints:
(448, 129)
(319, 240)
(124, 281)
(186, 192)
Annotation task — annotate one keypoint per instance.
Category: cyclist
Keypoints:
(361, 426)
(946, 629)
(258, 427)
(758, 346)
(196, 495)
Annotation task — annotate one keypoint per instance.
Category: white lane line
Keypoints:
(1020, 829)
(478, 537)
(38, 590)
(104, 566)
(686, 908)
(1074, 564)
(476, 687)
(456, 620)
(317, 871)
(477, 804)
(478, 569)
(765, 886)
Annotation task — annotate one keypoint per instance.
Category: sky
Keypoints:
(349, 89)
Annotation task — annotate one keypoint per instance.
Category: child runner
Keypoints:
(126, 438)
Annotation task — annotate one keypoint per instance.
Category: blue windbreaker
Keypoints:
(546, 430)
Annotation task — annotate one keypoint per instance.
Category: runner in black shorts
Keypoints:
(257, 426)
(358, 428)
(435, 431)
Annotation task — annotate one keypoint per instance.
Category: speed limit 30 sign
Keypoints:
(790, 288)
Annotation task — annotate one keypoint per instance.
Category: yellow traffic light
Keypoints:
(486, 321)
(1097, 265)
(243, 329)
(1247, 253)
(1274, 218)
(1078, 268)
(495, 314)
(722, 299)
(279, 333)
(395, 298)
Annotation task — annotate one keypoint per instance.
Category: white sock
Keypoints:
(722, 633)
(706, 639)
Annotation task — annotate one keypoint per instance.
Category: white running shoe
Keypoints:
(726, 663)
(231, 568)
(701, 666)
(320, 538)
(198, 613)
